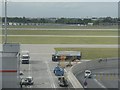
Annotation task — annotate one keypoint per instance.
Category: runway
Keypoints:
(56, 29)
(64, 36)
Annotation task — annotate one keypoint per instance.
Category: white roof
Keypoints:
(24, 51)
(30, 77)
(25, 55)
(87, 71)
(70, 53)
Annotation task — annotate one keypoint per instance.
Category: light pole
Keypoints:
(5, 21)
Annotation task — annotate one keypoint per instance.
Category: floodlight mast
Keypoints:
(5, 21)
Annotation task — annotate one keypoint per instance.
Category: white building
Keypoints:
(90, 24)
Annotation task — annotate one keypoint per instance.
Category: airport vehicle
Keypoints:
(58, 71)
(25, 57)
(74, 55)
(21, 73)
(88, 74)
(62, 81)
(27, 81)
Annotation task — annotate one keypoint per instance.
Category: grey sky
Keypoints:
(63, 9)
(63, 0)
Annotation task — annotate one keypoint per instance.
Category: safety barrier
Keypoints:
(90, 65)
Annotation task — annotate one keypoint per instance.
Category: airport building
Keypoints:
(10, 59)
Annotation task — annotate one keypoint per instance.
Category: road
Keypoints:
(49, 48)
(101, 78)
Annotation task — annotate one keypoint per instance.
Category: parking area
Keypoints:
(41, 66)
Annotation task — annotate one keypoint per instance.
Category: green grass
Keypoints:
(62, 40)
(64, 32)
(93, 53)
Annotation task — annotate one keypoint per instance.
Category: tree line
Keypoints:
(84, 21)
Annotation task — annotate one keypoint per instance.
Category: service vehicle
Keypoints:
(58, 71)
(62, 81)
(27, 81)
(25, 57)
(68, 55)
(88, 74)
(21, 73)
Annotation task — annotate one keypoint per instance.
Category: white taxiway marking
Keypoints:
(99, 83)
(56, 29)
(63, 36)
(30, 71)
(50, 76)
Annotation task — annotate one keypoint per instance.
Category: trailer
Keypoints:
(67, 55)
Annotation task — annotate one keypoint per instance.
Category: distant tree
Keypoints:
(61, 20)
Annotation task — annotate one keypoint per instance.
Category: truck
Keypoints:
(25, 57)
(74, 55)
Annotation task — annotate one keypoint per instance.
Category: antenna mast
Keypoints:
(5, 21)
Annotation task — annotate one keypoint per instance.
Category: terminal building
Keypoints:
(10, 59)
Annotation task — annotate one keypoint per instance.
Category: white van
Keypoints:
(25, 57)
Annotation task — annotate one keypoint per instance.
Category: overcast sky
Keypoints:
(62, 9)
(62, 0)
